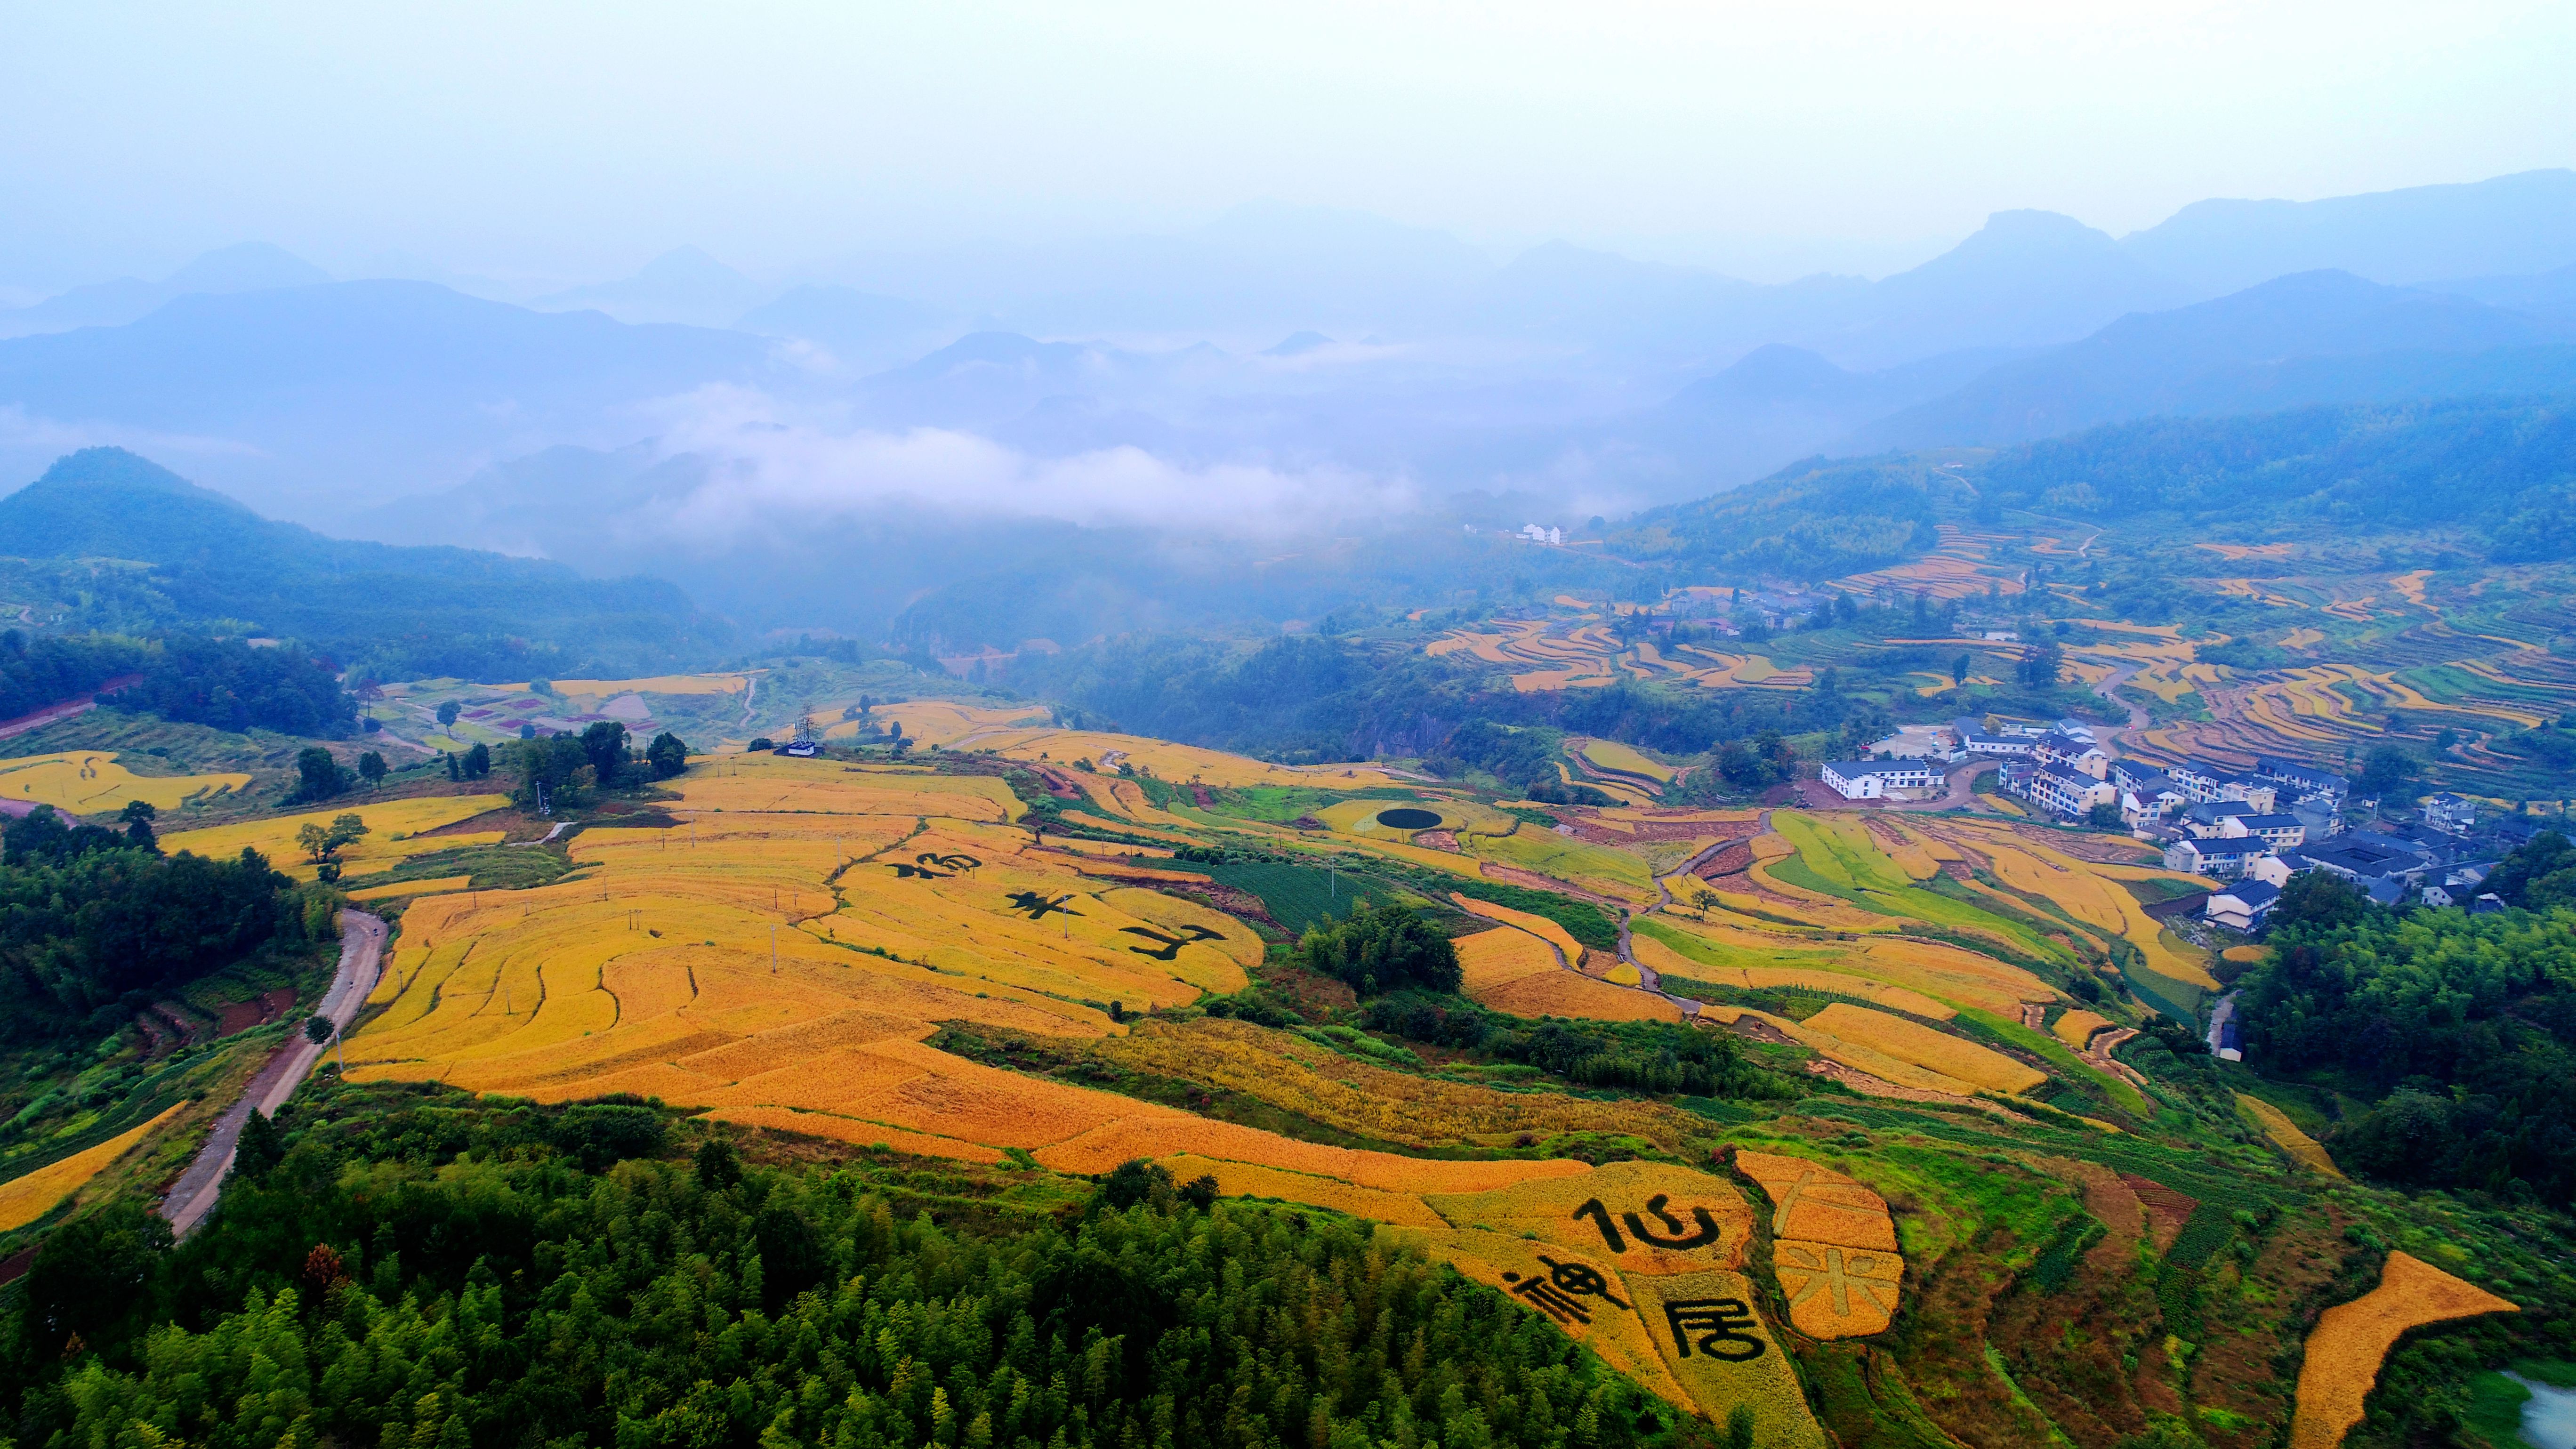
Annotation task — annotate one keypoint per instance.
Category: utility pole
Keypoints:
(773, 950)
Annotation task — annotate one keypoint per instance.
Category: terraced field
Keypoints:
(895, 957)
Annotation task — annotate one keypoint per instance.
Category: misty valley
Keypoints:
(1288, 827)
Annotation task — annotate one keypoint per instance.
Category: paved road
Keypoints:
(362, 946)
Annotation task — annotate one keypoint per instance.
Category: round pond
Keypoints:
(1406, 817)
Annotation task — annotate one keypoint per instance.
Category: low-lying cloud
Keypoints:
(769, 465)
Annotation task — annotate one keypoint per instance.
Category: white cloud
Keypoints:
(770, 467)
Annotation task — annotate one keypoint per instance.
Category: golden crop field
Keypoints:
(2272, 1122)
(2076, 1028)
(1179, 764)
(1932, 1052)
(2350, 1341)
(393, 833)
(937, 721)
(1611, 755)
(657, 684)
(1579, 652)
(92, 782)
(1539, 926)
(30, 1196)
(1833, 1245)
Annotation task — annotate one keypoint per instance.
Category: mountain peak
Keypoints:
(244, 267)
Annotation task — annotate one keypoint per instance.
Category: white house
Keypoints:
(2077, 753)
(2451, 814)
(2216, 859)
(1881, 779)
(2242, 906)
(2070, 792)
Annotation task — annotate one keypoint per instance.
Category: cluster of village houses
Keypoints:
(2251, 830)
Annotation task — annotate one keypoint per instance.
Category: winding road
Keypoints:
(362, 947)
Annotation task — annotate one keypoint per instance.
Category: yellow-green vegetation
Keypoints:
(1622, 759)
(394, 833)
(92, 782)
(2274, 1123)
(30, 1196)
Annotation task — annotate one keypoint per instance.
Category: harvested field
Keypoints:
(1916, 1045)
(2272, 1122)
(2351, 1340)
(30, 1196)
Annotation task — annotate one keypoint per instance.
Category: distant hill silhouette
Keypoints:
(2319, 337)
(248, 267)
(219, 561)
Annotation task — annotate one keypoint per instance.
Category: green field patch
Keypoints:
(2060, 1059)
(1302, 896)
(1565, 858)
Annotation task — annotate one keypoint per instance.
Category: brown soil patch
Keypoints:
(1311, 992)
(513, 823)
(1756, 1029)
(1437, 840)
(2114, 1204)
(1199, 793)
(1597, 963)
(1945, 1349)
(2239, 1368)
(1730, 861)
(260, 1010)
(2167, 1210)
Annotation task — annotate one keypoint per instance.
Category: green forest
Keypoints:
(412, 1267)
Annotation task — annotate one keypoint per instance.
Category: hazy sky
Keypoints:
(578, 140)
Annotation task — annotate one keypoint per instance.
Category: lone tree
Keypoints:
(448, 710)
(668, 755)
(318, 776)
(138, 816)
(372, 766)
(322, 846)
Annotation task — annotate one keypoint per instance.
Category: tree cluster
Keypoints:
(367, 1286)
(232, 686)
(1382, 948)
(1636, 1056)
(2466, 1024)
(88, 918)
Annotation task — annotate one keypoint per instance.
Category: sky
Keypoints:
(575, 141)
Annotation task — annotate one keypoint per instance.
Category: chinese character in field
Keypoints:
(1716, 1326)
(1559, 1295)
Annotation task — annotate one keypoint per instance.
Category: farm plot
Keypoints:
(30, 1196)
(394, 833)
(1833, 1246)
(2345, 1349)
(93, 782)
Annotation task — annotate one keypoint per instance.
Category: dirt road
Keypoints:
(362, 946)
(63, 709)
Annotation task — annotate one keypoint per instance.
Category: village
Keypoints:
(2252, 830)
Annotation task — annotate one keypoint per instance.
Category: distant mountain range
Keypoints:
(218, 562)
(1564, 380)
(249, 267)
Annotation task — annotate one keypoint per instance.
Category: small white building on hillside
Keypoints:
(1882, 779)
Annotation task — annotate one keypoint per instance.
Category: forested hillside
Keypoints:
(420, 1269)
(2497, 475)
(213, 563)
